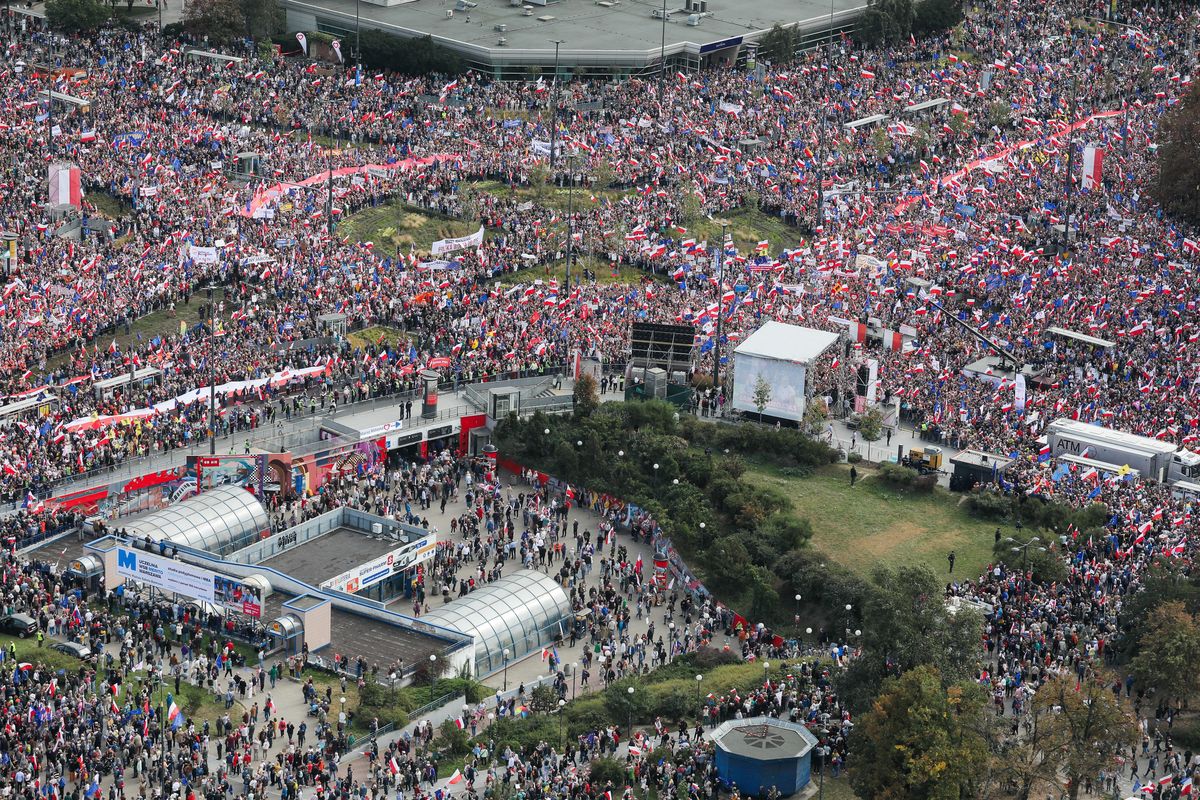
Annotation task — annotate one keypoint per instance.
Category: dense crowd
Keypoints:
(975, 211)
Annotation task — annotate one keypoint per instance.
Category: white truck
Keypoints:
(1116, 451)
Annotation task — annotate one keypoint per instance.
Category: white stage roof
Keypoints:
(786, 343)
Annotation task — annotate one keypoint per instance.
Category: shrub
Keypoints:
(607, 770)
(854, 458)
(924, 483)
(454, 739)
(898, 476)
(989, 504)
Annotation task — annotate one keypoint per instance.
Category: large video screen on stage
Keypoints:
(785, 378)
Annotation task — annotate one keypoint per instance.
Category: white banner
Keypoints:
(303, 40)
(165, 574)
(375, 570)
(1019, 393)
(461, 243)
(203, 255)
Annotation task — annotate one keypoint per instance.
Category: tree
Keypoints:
(1179, 159)
(1168, 652)
(543, 699)
(75, 16)
(1162, 583)
(1082, 728)
(870, 425)
(778, 45)
(816, 414)
(263, 18)
(906, 625)
(935, 16)
(885, 22)
(1074, 729)
(219, 20)
(920, 740)
(587, 395)
(762, 394)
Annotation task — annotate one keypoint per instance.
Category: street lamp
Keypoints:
(798, 598)
(554, 104)
(699, 678)
(720, 291)
(432, 675)
(507, 656)
(574, 675)
(629, 691)
(848, 609)
(561, 705)
(1024, 549)
(823, 752)
(621, 453)
(572, 160)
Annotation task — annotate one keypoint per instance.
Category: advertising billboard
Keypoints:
(236, 596)
(165, 574)
(368, 574)
(169, 575)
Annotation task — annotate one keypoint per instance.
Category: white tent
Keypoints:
(777, 356)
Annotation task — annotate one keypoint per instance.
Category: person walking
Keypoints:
(950, 558)
(853, 474)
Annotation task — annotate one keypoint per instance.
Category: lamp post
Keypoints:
(699, 678)
(720, 291)
(571, 163)
(821, 129)
(798, 599)
(629, 691)
(432, 675)
(561, 705)
(849, 608)
(357, 33)
(212, 371)
(1023, 549)
(554, 105)
(662, 55)
(823, 752)
(507, 656)
(574, 675)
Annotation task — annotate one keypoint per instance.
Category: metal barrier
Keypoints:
(425, 709)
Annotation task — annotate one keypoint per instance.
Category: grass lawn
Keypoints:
(874, 523)
(370, 336)
(551, 196)
(748, 227)
(108, 205)
(197, 704)
(605, 276)
(158, 323)
(393, 224)
(835, 788)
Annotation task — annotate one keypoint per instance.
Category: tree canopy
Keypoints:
(75, 16)
(919, 740)
(1177, 188)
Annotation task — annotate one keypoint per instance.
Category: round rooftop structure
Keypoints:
(762, 752)
(520, 612)
(217, 521)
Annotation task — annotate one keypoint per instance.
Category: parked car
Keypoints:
(80, 651)
(19, 625)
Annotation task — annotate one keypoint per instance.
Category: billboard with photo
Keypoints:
(368, 574)
(165, 574)
(785, 378)
(168, 575)
(233, 595)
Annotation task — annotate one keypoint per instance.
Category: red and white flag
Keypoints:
(1093, 166)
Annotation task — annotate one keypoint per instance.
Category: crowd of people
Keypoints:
(976, 211)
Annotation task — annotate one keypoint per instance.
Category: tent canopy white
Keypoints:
(782, 342)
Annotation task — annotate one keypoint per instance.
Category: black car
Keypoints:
(19, 625)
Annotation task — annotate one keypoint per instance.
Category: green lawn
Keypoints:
(197, 703)
(393, 224)
(109, 205)
(874, 523)
(748, 227)
(371, 336)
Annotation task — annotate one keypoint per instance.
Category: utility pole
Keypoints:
(357, 32)
(1070, 179)
(662, 56)
(212, 372)
(554, 107)
(571, 162)
(821, 129)
(720, 293)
